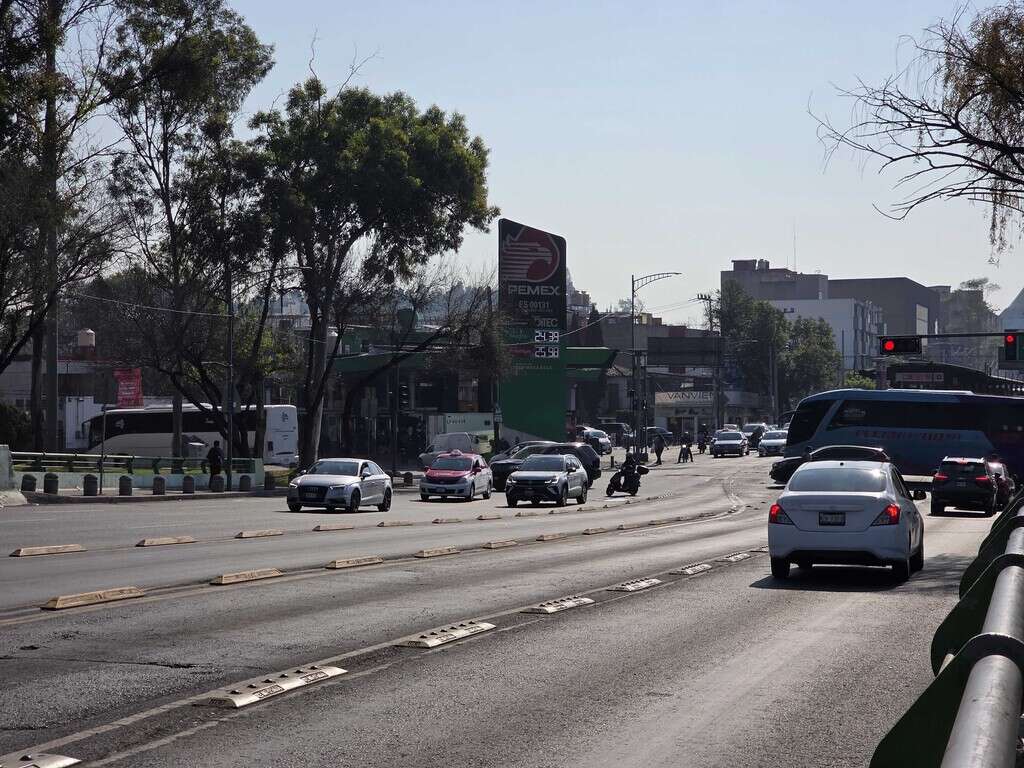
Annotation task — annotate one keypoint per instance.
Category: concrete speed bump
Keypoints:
(559, 604)
(162, 541)
(354, 562)
(394, 523)
(628, 526)
(92, 598)
(254, 691)
(259, 534)
(240, 576)
(531, 513)
(27, 759)
(691, 570)
(333, 527)
(735, 557)
(450, 634)
(561, 511)
(761, 549)
(442, 520)
(437, 552)
(662, 521)
(53, 549)
(552, 536)
(634, 586)
(592, 531)
(489, 516)
(500, 544)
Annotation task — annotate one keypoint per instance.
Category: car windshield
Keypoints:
(332, 467)
(452, 463)
(527, 450)
(730, 436)
(597, 433)
(748, 428)
(832, 479)
(774, 436)
(543, 464)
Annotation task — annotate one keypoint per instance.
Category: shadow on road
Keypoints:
(941, 574)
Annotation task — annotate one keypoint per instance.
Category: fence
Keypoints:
(970, 715)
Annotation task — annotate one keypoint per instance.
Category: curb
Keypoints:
(36, 497)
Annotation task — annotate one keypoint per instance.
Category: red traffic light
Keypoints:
(889, 345)
(1010, 338)
(900, 345)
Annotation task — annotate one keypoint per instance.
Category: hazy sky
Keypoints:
(655, 136)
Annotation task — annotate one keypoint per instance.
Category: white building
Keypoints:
(855, 325)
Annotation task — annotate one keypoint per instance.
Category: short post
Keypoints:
(28, 483)
(159, 485)
(407, 478)
(188, 484)
(124, 486)
(217, 483)
(50, 483)
(90, 485)
(268, 481)
(245, 483)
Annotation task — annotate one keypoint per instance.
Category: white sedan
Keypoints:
(345, 483)
(853, 512)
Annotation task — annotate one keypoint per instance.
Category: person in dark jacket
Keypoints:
(215, 458)
(659, 446)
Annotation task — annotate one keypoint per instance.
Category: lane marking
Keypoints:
(691, 570)
(442, 520)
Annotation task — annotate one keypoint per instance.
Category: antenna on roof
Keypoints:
(794, 245)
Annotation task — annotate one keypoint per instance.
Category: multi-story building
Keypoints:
(855, 325)
(907, 306)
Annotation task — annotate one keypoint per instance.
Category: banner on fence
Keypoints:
(129, 387)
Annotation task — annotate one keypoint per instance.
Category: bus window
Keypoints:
(805, 422)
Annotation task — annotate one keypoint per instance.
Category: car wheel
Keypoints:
(917, 559)
(294, 507)
(562, 497)
(487, 491)
(499, 485)
(609, 490)
(780, 568)
(331, 509)
(901, 570)
(805, 565)
(386, 504)
(938, 507)
(424, 497)
(582, 499)
(512, 502)
(354, 501)
(535, 502)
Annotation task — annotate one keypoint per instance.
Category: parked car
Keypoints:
(667, 436)
(1007, 485)
(588, 456)
(598, 440)
(512, 451)
(782, 470)
(620, 432)
(466, 442)
(753, 432)
(772, 443)
(846, 512)
(459, 474)
(545, 477)
(730, 428)
(729, 443)
(966, 484)
(341, 484)
(500, 470)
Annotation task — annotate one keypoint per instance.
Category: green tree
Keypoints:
(362, 189)
(854, 380)
(809, 362)
(15, 428)
(753, 332)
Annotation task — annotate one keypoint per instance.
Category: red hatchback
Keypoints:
(458, 474)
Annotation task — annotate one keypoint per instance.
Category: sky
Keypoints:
(655, 136)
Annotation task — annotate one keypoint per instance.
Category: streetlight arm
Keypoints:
(640, 282)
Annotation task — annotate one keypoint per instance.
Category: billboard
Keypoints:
(129, 387)
(696, 351)
(532, 300)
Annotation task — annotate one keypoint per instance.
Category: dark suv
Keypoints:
(966, 484)
(500, 470)
(588, 457)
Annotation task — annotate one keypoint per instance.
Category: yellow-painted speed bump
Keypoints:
(254, 691)
(259, 534)
(437, 552)
(533, 513)
(691, 570)
(628, 526)
(559, 604)
(25, 759)
(592, 531)
(394, 523)
(354, 562)
(240, 576)
(53, 549)
(500, 544)
(488, 516)
(634, 586)
(437, 637)
(91, 598)
(441, 520)
(161, 541)
(551, 536)
(735, 557)
(334, 527)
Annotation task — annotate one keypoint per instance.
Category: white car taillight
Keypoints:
(888, 516)
(776, 514)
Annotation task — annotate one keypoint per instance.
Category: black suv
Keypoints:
(500, 470)
(966, 484)
(588, 457)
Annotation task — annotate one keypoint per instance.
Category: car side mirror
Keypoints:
(918, 495)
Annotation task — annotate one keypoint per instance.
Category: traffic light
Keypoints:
(899, 345)
(1010, 345)
(403, 396)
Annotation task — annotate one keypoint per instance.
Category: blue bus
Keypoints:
(916, 427)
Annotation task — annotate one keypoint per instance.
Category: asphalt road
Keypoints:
(725, 668)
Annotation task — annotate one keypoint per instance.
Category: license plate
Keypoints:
(831, 518)
(309, 494)
(961, 483)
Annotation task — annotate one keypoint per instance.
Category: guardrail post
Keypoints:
(188, 484)
(90, 485)
(159, 485)
(124, 486)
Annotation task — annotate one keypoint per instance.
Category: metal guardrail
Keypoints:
(25, 461)
(970, 715)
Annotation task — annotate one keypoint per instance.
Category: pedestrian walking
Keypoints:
(685, 454)
(659, 446)
(215, 458)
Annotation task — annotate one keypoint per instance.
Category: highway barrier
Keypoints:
(970, 715)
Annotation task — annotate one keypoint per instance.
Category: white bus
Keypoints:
(147, 431)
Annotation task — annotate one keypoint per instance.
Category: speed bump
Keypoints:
(25, 759)
(500, 544)
(334, 527)
(634, 586)
(53, 549)
(489, 516)
(440, 520)
(628, 526)
(91, 598)
(254, 691)
(559, 604)
(353, 562)
(161, 541)
(531, 513)
(437, 552)
(449, 634)
(592, 531)
(394, 523)
(690, 570)
(551, 536)
(259, 534)
(240, 576)
(735, 557)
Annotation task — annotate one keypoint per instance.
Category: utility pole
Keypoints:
(636, 283)
(229, 389)
(716, 385)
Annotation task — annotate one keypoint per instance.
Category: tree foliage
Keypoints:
(810, 361)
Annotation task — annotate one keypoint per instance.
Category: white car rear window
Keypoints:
(838, 479)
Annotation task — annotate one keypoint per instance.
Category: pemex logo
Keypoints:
(529, 256)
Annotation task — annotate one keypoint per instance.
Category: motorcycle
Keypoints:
(701, 446)
(631, 483)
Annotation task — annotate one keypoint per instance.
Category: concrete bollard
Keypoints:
(90, 485)
(159, 485)
(245, 483)
(50, 482)
(188, 484)
(124, 486)
(28, 483)
(268, 481)
(217, 483)
(407, 478)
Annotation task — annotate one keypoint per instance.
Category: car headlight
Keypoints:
(293, 485)
(510, 481)
(552, 481)
(339, 487)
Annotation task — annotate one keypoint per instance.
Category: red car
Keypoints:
(457, 474)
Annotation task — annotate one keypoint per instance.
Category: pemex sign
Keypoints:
(531, 286)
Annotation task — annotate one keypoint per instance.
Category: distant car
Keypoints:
(588, 456)
(730, 428)
(556, 478)
(1007, 485)
(341, 484)
(729, 443)
(782, 470)
(458, 474)
(598, 440)
(667, 436)
(513, 450)
(772, 443)
(466, 442)
(846, 512)
(753, 432)
(500, 470)
(966, 484)
(618, 431)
